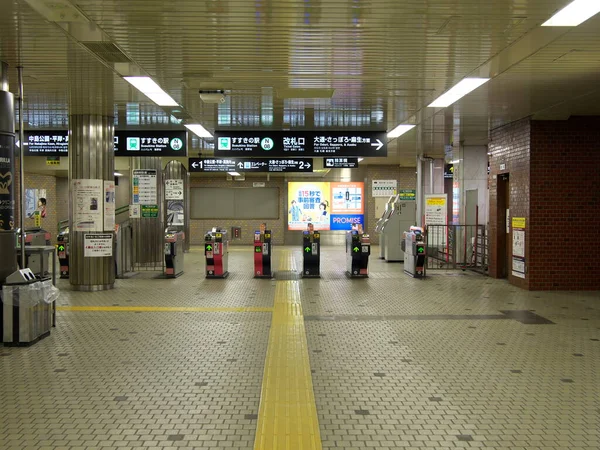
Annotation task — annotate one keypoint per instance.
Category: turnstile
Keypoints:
(37, 262)
(311, 251)
(62, 248)
(414, 252)
(216, 250)
(174, 249)
(263, 251)
(358, 249)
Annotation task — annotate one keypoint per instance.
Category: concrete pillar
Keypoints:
(91, 157)
(8, 262)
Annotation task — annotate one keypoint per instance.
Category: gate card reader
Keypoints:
(174, 242)
(263, 251)
(358, 249)
(414, 252)
(216, 251)
(311, 251)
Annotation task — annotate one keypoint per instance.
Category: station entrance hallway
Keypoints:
(455, 360)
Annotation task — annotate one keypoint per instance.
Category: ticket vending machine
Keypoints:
(216, 251)
(174, 249)
(358, 249)
(263, 251)
(311, 251)
(415, 253)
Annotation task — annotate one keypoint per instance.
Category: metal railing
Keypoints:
(457, 247)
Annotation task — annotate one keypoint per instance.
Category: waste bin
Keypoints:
(27, 306)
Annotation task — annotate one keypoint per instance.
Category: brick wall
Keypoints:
(509, 145)
(565, 206)
(554, 169)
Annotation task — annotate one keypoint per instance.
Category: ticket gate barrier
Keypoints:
(174, 249)
(311, 251)
(415, 254)
(358, 249)
(263, 251)
(216, 250)
(36, 237)
(62, 248)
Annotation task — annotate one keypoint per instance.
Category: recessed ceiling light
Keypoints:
(234, 174)
(461, 89)
(574, 13)
(360, 159)
(456, 161)
(118, 174)
(198, 130)
(153, 91)
(400, 130)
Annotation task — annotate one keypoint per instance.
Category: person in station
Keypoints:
(295, 211)
(262, 228)
(358, 227)
(310, 227)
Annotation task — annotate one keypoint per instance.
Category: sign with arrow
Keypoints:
(251, 165)
(356, 249)
(208, 248)
(300, 143)
(307, 249)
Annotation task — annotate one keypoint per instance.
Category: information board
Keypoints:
(88, 204)
(109, 205)
(97, 245)
(300, 143)
(436, 210)
(340, 163)
(144, 187)
(251, 165)
(384, 188)
(173, 189)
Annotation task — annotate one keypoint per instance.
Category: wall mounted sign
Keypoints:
(145, 190)
(126, 143)
(518, 247)
(340, 163)
(87, 204)
(384, 188)
(174, 189)
(300, 143)
(251, 165)
(407, 194)
(97, 245)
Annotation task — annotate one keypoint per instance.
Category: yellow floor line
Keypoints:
(287, 417)
(161, 309)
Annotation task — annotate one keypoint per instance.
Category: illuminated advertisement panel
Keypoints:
(329, 206)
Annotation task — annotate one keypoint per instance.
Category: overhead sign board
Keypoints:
(251, 165)
(340, 163)
(126, 143)
(300, 143)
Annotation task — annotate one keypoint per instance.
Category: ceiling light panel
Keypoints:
(463, 88)
(153, 91)
(399, 131)
(198, 130)
(575, 13)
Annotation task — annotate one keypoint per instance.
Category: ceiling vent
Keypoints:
(107, 51)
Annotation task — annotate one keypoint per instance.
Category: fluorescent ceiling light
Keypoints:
(118, 174)
(456, 161)
(234, 174)
(400, 130)
(457, 92)
(153, 91)
(574, 14)
(360, 159)
(198, 130)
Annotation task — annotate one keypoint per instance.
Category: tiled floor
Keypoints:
(396, 363)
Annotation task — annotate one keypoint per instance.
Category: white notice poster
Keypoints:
(384, 188)
(87, 205)
(173, 189)
(135, 211)
(518, 268)
(519, 243)
(97, 245)
(109, 205)
(436, 209)
(145, 191)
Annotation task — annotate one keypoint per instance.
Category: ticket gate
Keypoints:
(36, 261)
(216, 251)
(358, 249)
(174, 243)
(62, 248)
(263, 251)
(415, 253)
(311, 250)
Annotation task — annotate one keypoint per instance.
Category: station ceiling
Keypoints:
(279, 61)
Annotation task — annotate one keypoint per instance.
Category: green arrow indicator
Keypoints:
(356, 249)
(307, 249)
(257, 249)
(209, 247)
(61, 248)
(420, 249)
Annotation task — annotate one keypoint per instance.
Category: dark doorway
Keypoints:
(504, 236)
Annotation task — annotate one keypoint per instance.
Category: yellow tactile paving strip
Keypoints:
(287, 417)
(160, 309)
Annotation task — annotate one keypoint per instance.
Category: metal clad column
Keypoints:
(8, 262)
(91, 157)
(177, 171)
(149, 233)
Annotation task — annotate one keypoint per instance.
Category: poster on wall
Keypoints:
(7, 185)
(436, 212)
(35, 201)
(329, 206)
(175, 213)
(173, 189)
(518, 247)
(145, 190)
(97, 245)
(109, 205)
(384, 188)
(87, 209)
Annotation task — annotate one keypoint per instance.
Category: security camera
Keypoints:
(212, 96)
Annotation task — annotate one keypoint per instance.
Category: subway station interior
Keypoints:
(300, 224)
